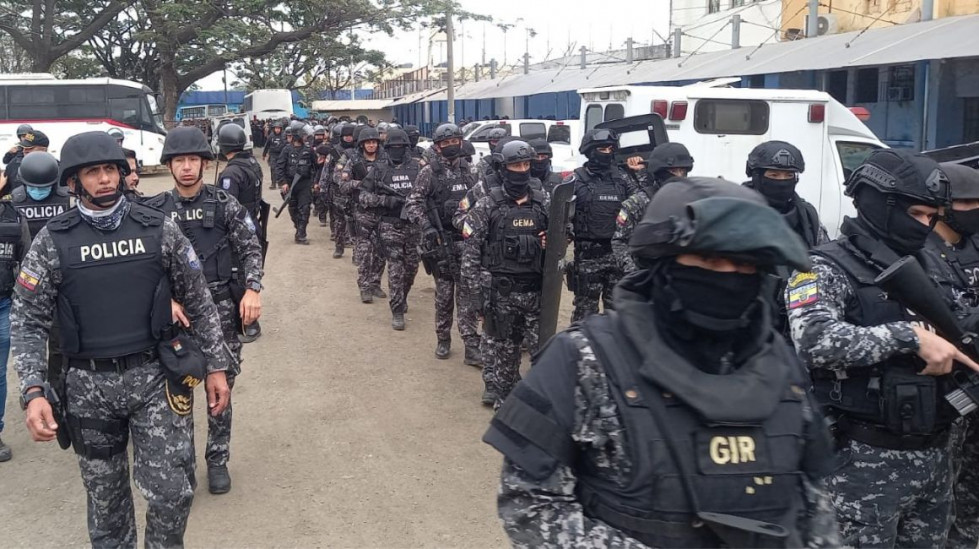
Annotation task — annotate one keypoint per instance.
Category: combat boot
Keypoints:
(218, 479)
(442, 349)
(366, 296)
(301, 237)
(472, 356)
(398, 321)
(5, 453)
(338, 251)
(378, 292)
(488, 398)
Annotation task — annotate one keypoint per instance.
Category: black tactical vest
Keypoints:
(38, 213)
(10, 248)
(202, 220)
(241, 171)
(276, 142)
(753, 470)
(114, 296)
(965, 260)
(597, 203)
(889, 394)
(396, 180)
(453, 184)
(513, 246)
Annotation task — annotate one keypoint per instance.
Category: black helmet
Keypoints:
(596, 139)
(446, 131)
(23, 130)
(319, 129)
(231, 138)
(902, 173)
(38, 169)
(668, 155)
(88, 149)
(357, 129)
(116, 134)
(541, 146)
(185, 140)
(382, 127)
(413, 134)
(713, 217)
(775, 155)
(287, 132)
(396, 138)
(516, 151)
(963, 181)
(336, 130)
(367, 134)
(278, 124)
(296, 127)
(468, 150)
(496, 134)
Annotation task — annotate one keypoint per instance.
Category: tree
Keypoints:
(47, 30)
(13, 58)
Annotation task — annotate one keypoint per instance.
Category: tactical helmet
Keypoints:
(231, 138)
(116, 134)
(496, 134)
(902, 173)
(668, 155)
(319, 130)
(397, 138)
(23, 130)
(347, 129)
(516, 151)
(278, 124)
(713, 217)
(185, 140)
(38, 169)
(357, 129)
(598, 138)
(382, 127)
(412, 131)
(296, 127)
(393, 125)
(308, 130)
(963, 181)
(446, 131)
(89, 149)
(367, 134)
(541, 146)
(468, 150)
(775, 155)
(287, 132)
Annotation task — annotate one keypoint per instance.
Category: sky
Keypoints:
(596, 24)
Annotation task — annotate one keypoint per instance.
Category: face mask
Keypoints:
(105, 220)
(451, 151)
(964, 222)
(413, 141)
(397, 154)
(515, 184)
(38, 193)
(539, 168)
(779, 192)
(600, 160)
(889, 220)
(715, 299)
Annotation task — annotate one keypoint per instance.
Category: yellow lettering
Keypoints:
(746, 447)
(734, 450)
(719, 452)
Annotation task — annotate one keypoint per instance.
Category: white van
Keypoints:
(720, 126)
(231, 118)
(555, 131)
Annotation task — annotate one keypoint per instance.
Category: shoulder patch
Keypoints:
(226, 183)
(467, 231)
(28, 279)
(803, 289)
(622, 218)
(192, 259)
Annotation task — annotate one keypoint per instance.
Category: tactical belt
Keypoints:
(119, 364)
(506, 284)
(595, 249)
(880, 437)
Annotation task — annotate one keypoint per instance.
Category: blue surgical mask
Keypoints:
(38, 193)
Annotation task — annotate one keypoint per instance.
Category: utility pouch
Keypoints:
(909, 402)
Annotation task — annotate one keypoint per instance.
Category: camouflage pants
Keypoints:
(515, 315)
(163, 456)
(320, 205)
(596, 279)
(370, 262)
(892, 498)
(299, 204)
(399, 245)
(965, 530)
(338, 218)
(451, 292)
(219, 427)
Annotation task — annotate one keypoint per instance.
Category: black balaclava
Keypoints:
(413, 139)
(780, 193)
(964, 222)
(515, 183)
(450, 152)
(540, 168)
(397, 153)
(888, 218)
(599, 161)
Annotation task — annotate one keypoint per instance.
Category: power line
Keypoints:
(758, 47)
(718, 31)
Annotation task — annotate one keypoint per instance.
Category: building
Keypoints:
(716, 25)
(855, 15)
(364, 110)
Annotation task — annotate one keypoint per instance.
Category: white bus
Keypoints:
(198, 112)
(62, 108)
(265, 104)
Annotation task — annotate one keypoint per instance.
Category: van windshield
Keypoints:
(852, 154)
(559, 133)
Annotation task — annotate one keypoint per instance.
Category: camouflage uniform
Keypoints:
(448, 287)
(163, 447)
(338, 202)
(882, 497)
(629, 216)
(370, 264)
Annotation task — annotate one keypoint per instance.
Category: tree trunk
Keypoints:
(170, 88)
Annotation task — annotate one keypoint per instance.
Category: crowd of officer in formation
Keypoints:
(750, 383)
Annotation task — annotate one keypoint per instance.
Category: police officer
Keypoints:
(117, 134)
(297, 159)
(505, 247)
(339, 202)
(112, 266)
(681, 419)
(17, 150)
(441, 184)
(414, 134)
(540, 166)
(39, 197)
(32, 142)
(242, 176)
(666, 161)
(370, 265)
(383, 193)
(224, 236)
(273, 146)
(774, 168)
(493, 138)
(600, 189)
(877, 367)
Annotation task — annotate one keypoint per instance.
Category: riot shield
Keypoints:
(557, 247)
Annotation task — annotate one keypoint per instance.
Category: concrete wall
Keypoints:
(855, 15)
(759, 19)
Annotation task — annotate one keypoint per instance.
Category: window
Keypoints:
(713, 6)
(867, 86)
(533, 130)
(900, 83)
(853, 154)
(247, 105)
(736, 3)
(593, 116)
(756, 81)
(3, 103)
(970, 120)
(836, 85)
(482, 134)
(559, 133)
(727, 116)
(614, 111)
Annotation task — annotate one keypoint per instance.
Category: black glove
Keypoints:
(358, 171)
(431, 237)
(393, 201)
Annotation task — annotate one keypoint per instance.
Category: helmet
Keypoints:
(231, 138)
(541, 146)
(367, 134)
(296, 127)
(287, 132)
(88, 149)
(382, 127)
(39, 169)
(319, 130)
(714, 217)
(412, 131)
(963, 181)
(185, 140)
(116, 134)
(668, 155)
(308, 130)
(278, 124)
(516, 151)
(496, 134)
(596, 139)
(902, 173)
(357, 129)
(397, 138)
(446, 131)
(23, 130)
(775, 155)
(393, 125)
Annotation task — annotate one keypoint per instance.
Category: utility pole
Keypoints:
(450, 93)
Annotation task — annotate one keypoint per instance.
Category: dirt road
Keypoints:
(346, 433)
